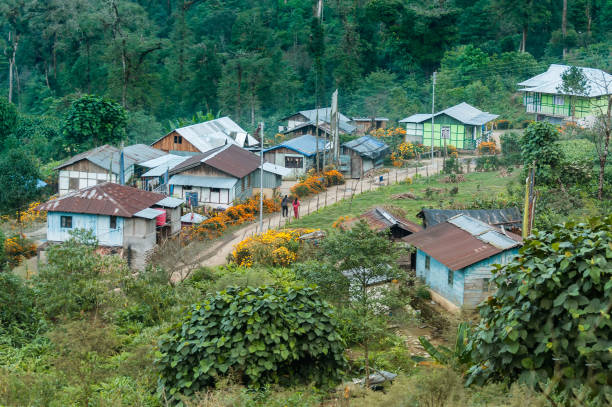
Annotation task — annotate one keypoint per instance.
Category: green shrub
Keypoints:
(423, 292)
(511, 148)
(487, 163)
(20, 321)
(550, 317)
(261, 335)
(577, 159)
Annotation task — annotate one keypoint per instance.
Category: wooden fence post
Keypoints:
(326, 197)
(317, 202)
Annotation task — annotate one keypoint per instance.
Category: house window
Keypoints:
(73, 183)
(559, 100)
(427, 262)
(450, 277)
(486, 285)
(243, 182)
(113, 222)
(215, 190)
(178, 139)
(187, 187)
(294, 162)
(249, 181)
(66, 222)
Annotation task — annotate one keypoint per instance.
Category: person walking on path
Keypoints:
(285, 206)
(296, 206)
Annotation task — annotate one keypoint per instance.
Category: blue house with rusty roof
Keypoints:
(455, 258)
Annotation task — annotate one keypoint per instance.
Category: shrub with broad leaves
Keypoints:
(550, 317)
(257, 335)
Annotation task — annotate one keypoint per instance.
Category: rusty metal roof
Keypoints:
(104, 199)
(231, 159)
(380, 219)
(462, 241)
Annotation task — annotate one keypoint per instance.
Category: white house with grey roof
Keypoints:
(103, 164)
(544, 96)
(462, 126)
(305, 122)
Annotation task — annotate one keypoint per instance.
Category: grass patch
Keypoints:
(481, 185)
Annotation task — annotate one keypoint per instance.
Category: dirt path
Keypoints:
(217, 254)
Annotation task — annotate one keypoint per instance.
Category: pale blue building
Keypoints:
(455, 258)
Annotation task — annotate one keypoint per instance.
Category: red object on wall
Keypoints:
(161, 219)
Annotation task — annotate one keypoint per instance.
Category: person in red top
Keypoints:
(296, 205)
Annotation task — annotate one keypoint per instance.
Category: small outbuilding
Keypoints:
(503, 218)
(361, 155)
(455, 257)
(298, 155)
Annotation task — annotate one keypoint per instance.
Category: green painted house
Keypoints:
(462, 126)
(543, 96)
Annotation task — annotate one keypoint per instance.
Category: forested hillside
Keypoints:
(253, 60)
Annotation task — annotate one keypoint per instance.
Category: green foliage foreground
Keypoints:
(260, 335)
(550, 318)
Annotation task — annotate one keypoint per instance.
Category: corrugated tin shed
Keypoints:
(369, 119)
(193, 217)
(160, 170)
(149, 213)
(368, 146)
(547, 82)
(104, 199)
(230, 159)
(325, 116)
(170, 202)
(462, 241)
(507, 217)
(108, 157)
(276, 169)
(462, 112)
(305, 145)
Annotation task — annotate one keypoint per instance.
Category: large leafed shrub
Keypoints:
(258, 335)
(550, 317)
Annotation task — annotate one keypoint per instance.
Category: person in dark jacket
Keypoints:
(285, 206)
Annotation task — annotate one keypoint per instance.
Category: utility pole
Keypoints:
(433, 103)
(261, 177)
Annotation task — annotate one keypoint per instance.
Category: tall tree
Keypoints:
(8, 119)
(18, 180)
(525, 15)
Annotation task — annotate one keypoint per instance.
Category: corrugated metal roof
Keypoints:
(548, 82)
(369, 119)
(231, 159)
(276, 169)
(202, 181)
(462, 241)
(323, 127)
(495, 217)
(108, 157)
(193, 217)
(104, 199)
(306, 145)
(325, 117)
(416, 118)
(149, 213)
(170, 202)
(368, 146)
(164, 159)
(215, 133)
(160, 170)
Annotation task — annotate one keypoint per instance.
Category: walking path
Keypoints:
(217, 254)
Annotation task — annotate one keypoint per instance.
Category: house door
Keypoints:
(215, 195)
(224, 196)
(355, 166)
(191, 198)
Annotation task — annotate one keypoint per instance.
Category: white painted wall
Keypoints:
(86, 179)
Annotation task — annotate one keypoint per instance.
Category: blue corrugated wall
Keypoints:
(99, 224)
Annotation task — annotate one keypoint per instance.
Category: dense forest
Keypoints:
(164, 61)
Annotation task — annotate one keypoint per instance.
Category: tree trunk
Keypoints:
(238, 101)
(252, 104)
(367, 364)
(564, 26)
(588, 17)
(524, 40)
(12, 65)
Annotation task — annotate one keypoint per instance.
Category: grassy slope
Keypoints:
(484, 185)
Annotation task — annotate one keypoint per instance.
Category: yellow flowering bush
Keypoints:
(17, 248)
(272, 248)
(405, 151)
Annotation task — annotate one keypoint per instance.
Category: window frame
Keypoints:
(178, 139)
(293, 161)
(427, 262)
(66, 221)
(72, 180)
(451, 277)
(112, 220)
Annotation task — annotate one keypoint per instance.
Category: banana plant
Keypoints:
(458, 356)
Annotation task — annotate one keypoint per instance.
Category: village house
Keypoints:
(202, 137)
(366, 125)
(462, 126)
(221, 177)
(455, 257)
(103, 164)
(305, 122)
(125, 219)
(157, 171)
(543, 95)
(361, 155)
(297, 155)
